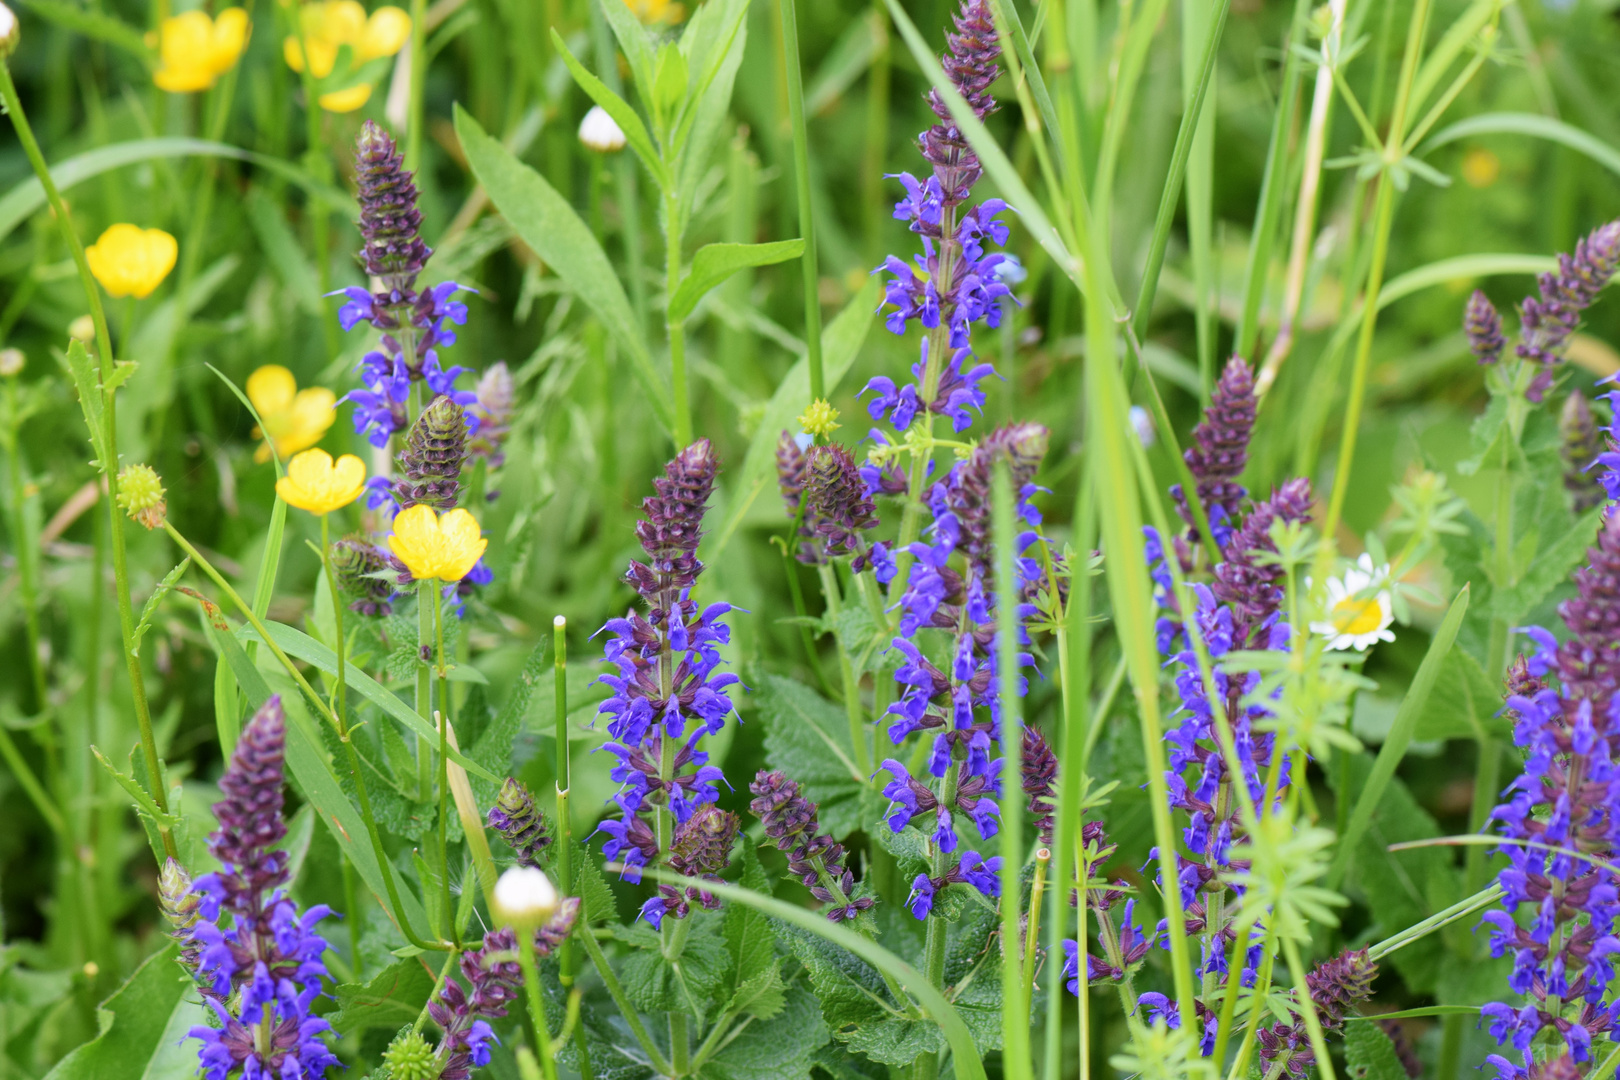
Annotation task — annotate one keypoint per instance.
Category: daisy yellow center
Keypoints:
(1352, 616)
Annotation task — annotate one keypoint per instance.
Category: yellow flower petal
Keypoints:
(271, 389)
(316, 483)
(386, 32)
(445, 548)
(197, 50)
(342, 101)
(131, 261)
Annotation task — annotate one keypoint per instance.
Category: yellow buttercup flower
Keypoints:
(328, 26)
(197, 50)
(293, 419)
(431, 546)
(131, 261)
(316, 483)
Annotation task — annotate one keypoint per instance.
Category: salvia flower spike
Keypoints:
(815, 858)
(667, 694)
(520, 822)
(259, 959)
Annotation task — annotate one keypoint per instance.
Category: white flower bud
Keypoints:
(525, 897)
(82, 329)
(11, 362)
(10, 32)
(599, 132)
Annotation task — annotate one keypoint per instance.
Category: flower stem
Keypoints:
(927, 1066)
(846, 669)
(676, 328)
(565, 836)
(98, 316)
(531, 986)
(430, 595)
(655, 1056)
(801, 179)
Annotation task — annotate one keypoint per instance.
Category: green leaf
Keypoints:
(635, 132)
(840, 342)
(393, 998)
(550, 226)
(654, 984)
(761, 996)
(1369, 1054)
(807, 737)
(1462, 704)
(87, 381)
(18, 204)
(1534, 125)
(1400, 736)
(134, 1023)
(1427, 1010)
(493, 747)
(93, 24)
(747, 933)
(780, 1048)
(300, 646)
(669, 78)
(1550, 568)
(633, 41)
(596, 897)
(856, 1004)
(714, 263)
(152, 602)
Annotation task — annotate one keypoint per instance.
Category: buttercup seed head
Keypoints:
(140, 495)
(820, 419)
(411, 1057)
(600, 132)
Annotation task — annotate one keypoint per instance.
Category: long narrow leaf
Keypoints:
(1399, 738)
(1532, 124)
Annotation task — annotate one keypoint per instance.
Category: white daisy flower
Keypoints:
(1356, 620)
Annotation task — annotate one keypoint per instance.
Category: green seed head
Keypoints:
(411, 1057)
(140, 495)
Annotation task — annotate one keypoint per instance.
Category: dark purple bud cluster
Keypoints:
(1040, 777)
(1547, 321)
(356, 565)
(414, 324)
(1609, 459)
(492, 409)
(520, 822)
(666, 695)
(1568, 803)
(792, 474)
(841, 507)
(815, 858)
(1219, 452)
(1482, 324)
(493, 979)
(1580, 445)
(430, 461)
(1246, 582)
(1336, 986)
(959, 284)
(700, 848)
(259, 960)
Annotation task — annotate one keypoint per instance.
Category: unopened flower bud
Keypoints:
(525, 898)
(600, 132)
(82, 329)
(10, 32)
(140, 495)
(516, 818)
(435, 451)
(11, 362)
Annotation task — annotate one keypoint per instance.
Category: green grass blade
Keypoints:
(1534, 125)
(1399, 738)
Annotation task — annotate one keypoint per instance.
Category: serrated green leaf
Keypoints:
(133, 1023)
(714, 263)
(595, 895)
(1550, 568)
(493, 747)
(393, 997)
(762, 995)
(152, 602)
(654, 984)
(87, 381)
(747, 933)
(780, 1048)
(807, 738)
(856, 1004)
(1369, 1054)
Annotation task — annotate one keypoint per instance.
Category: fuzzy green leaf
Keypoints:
(137, 1024)
(807, 737)
(780, 1048)
(1369, 1054)
(714, 263)
(393, 997)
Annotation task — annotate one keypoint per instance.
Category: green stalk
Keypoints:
(418, 58)
(109, 468)
(537, 1013)
(430, 593)
(1015, 1017)
(319, 167)
(1383, 219)
(565, 836)
(1313, 1023)
(801, 179)
(624, 171)
(877, 131)
(676, 328)
(853, 712)
(615, 990)
(926, 1067)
